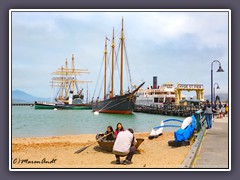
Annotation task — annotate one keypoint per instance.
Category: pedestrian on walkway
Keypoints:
(223, 110)
(226, 109)
(208, 114)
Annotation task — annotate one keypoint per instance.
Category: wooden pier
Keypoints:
(22, 104)
(171, 110)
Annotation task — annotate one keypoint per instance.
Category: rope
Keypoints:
(132, 56)
(69, 87)
(128, 67)
(118, 30)
(98, 78)
(116, 61)
(59, 90)
(76, 85)
(110, 73)
(101, 87)
(104, 106)
(116, 104)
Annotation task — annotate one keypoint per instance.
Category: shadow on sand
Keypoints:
(100, 149)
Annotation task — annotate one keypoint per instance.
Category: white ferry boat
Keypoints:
(156, 95)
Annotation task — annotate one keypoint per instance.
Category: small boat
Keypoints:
(108, 144)
(158, 130)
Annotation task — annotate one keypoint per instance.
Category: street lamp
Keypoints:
(219, 70)
(214, 90)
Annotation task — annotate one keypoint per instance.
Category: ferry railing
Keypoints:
(169, 109)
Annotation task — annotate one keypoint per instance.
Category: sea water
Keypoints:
(28, 122)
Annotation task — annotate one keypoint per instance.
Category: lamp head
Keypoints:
(220, 69)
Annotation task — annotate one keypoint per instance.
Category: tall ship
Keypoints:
(66, 84)
(111, 103)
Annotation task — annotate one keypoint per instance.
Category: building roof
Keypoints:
(190, 100)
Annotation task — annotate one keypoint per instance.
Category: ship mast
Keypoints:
(73, 67)
(121, 65)
(62, 85)
(105, 69)
(66, 84)
(113, 45)
(64, 76)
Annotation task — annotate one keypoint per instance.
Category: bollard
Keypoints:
(198, 115)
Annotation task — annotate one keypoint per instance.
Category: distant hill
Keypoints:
(21, 96)
(223, 96)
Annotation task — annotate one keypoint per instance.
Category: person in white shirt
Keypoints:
(124, 145)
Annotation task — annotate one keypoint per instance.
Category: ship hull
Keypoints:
(43, 106)
(74, 107)
(62, 107)
(115, 105)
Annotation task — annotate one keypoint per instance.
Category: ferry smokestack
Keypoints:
(154, 82)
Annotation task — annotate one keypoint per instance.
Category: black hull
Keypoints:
(116, 105)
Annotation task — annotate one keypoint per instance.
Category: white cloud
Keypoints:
(209, 28)
(158, 43)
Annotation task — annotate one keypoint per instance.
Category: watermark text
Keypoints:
(29, 161)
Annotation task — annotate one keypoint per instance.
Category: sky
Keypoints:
(177, 47)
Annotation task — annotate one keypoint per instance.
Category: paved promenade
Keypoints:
(213, 152)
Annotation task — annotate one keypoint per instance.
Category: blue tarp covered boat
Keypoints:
(185, 134)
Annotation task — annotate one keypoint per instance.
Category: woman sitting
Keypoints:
(119, 128)
(110, 136)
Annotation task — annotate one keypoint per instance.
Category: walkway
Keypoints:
(213, 152)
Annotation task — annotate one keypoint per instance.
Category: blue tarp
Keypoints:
(184, 134)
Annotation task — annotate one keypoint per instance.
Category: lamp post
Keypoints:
(214, 90)
(219, 70)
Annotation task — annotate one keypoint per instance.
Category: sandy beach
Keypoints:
(58, 152)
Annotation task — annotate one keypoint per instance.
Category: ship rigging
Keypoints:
(124, 102)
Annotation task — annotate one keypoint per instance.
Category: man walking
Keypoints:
(125, 146)
(208, 114)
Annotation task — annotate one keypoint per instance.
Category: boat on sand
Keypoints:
(108, 144)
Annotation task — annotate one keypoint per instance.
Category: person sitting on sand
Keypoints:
(111, 136)
(125, 146)
(119, 128)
